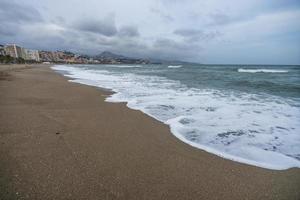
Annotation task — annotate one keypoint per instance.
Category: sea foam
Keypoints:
(124, 66)
(262, 71)
(260, 130)
(174, 66)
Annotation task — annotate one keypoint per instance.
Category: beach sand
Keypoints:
(60, 140)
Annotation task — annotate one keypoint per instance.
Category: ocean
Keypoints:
(245, 113)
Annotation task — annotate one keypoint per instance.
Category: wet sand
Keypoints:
(60, 140)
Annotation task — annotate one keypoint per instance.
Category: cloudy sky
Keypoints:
(206, 31)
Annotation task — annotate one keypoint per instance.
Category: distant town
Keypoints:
(12, 53)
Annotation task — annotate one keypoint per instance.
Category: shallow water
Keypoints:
(249, 114)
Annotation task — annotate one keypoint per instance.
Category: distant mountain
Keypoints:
(108, 55)
(111, 58)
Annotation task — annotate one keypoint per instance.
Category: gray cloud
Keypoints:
(169, 49)
(12, 12)
(193, 35)
(59, 20)
(200, 28)
(220, 18)
(161, 14)
(188, 32)
(105, 26)
(8, 29)
(129, 31)
(13, 15)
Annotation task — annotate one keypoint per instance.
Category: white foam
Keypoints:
(262, 71)
(124, 66)
(174, 66)
(257, 130)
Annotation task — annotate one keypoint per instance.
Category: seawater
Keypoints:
(249, 114)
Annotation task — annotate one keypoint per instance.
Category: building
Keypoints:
(29, 54)
(48, 56)
(13, 51)
(19, 52)
(2, 50)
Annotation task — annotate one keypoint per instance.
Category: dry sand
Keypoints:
(60, 140)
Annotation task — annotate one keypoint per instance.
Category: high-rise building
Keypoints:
(13, 50)
(29, 54)
(2, 50)
(23, 53)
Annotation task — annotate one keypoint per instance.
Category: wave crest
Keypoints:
(174, 66)
(262, 70)
(256, 129)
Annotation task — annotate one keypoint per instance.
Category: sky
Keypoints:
(205, 31)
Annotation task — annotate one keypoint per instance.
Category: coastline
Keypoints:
(61, 140)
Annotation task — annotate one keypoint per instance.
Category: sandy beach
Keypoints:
(61, 140)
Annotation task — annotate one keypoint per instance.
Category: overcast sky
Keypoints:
(206, 31)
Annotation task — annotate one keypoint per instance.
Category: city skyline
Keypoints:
(13, 53)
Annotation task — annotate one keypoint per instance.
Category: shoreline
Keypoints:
(107, 151)
(74, 75)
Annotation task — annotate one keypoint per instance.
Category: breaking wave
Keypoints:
(174, 66)
(262, 70)
(261, 130)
